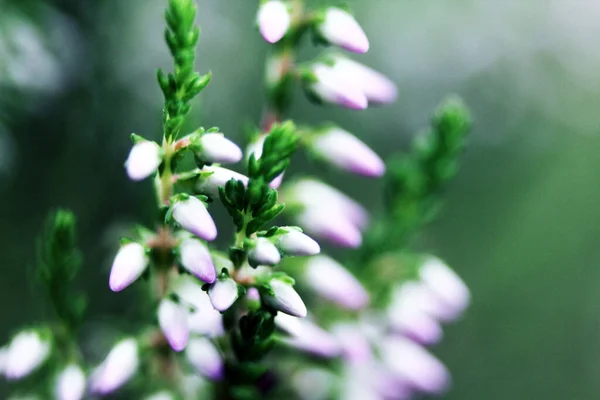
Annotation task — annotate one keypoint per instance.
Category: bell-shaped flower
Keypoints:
(219, 176)
(196, 258)
(295, 243)
(263, 252)
(129, 264)
(332, 281)
(330, 87)
(216, 148)
(144, 158)
(347, 152)
(378, 88)
(452, 292)
(340, 28)
(27, 351)
(70, 384)
(223, 293)
(282, 297)
(307, 336)
(331, 225)
(119, 366)
(172, 318)
(205, 357)
(274, 20)
(193, 216)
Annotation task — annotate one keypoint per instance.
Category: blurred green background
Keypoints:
(521, 222)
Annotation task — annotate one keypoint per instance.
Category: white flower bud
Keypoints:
(345, 151)
(26, 352)
(307, 336)
(332, 281)
(204, 319)
(216, 148)
(220, 176)
(205, 357)
(119, 366)
(378, 88)
(274, 20)
(172, 318)
(196, 258)
(193, 216)
(264, 253)
(144, 159)
(334, 88)
(341, 29)
(71, 383)
(331, 225)
(285, 299)
(223, 293)
(296, 243)
(129, 264)
(451, 291)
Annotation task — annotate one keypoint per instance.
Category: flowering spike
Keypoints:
(223, 293)
(71, 383)
(216, 148)
(284, 298)
(205, 357)
(332, 281)
(347, 152)
(193, 216)
(264, 253)
(117, 369)
(331, 87)
(341, 29)
(196, 258)
(26, 353)
(129, 264)
(447, 286)
(144, 159)
(209, 184)
(296, 243)
(274, 20)
(172, 319)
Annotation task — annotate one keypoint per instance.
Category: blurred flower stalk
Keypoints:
(222, 318)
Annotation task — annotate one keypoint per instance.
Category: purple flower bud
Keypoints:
(193, 216)
(355, 345)
(308, 337)
(223, 293)
(332, 87)
(274, 20)
(129, 264)
(27, 351)
(216, 148)
(71, 383)
(341, 29)
(172, 318)
(284, 298)
(144, 159)
(209, 185)
(264, 253)
(117, 369)
(275, 183)
(415, 365)
(410, 313)
(296, 243)
(447, 286)
(330, 225)
(346, 152)
(204, 319)
(378, 88)
(205, 357)
(312, 193)
(332, 281)
(196, 258)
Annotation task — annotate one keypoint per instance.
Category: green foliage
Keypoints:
(181, 86)
(58, 262)
(252, 207)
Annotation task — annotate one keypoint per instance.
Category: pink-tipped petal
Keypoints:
(172, 318)
(118, 368)
(223, 293)
(193, 216)
(129, 264)
(335, 88)
(451, 291)
(296, 243)
(210, 184)
(143, 160)
(284, 298)
(341, 29)
(378, 88)
(216, 148)
(273, 20)
(205, 357)
(196, 258)
(331, 225)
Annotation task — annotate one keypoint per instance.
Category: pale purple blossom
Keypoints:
(172, 318)
(70, 384)
(119, 366)
(143, 160)
(196, 258)
(347, 152)
(378, 88)
(274, 20)
(451, 291)
(219, 176)
(332, 225)
(354, 343)
(193, 216)
(202, 318)
(295, 243)
(264, 252)
(341, 29)
(216, 148)
(223, 293)
(130, 263)
(307, 336)
(205, 357)
(27, 351)
(331, 87)
(282, 297)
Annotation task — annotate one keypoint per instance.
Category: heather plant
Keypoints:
(271, 315)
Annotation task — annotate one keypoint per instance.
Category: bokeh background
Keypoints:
(521, 222)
